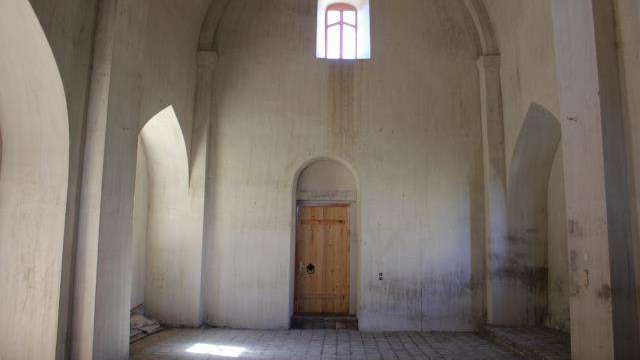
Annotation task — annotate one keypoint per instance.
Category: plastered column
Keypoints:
(103, 276)
(628, 20)
(495, 184)
(207, 61)
(582, 115)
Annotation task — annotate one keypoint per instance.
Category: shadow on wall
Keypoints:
(526, 253)
(33, 185)
(167, 241)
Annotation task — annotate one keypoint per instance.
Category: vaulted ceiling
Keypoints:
(477, 11)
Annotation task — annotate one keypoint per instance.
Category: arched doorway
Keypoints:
(33, 185)
(326, 247)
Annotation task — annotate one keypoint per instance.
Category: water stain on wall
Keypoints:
(341, 122)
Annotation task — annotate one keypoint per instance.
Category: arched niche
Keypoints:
(167, 238)
(328, 182)
(33, 185)
(526, 253)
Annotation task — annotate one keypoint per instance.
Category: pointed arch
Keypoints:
(33, 185)
(173, 249)
(526, 250)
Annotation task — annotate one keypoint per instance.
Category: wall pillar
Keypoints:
(103, 275)
(203, 107)
(495, 186)
(628, 22)
(595, 178)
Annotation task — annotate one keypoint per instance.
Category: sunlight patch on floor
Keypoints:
(216, 350)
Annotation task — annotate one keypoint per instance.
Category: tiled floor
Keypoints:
(535, 342)
(315, 344)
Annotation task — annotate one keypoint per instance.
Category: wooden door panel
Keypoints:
(322, 260)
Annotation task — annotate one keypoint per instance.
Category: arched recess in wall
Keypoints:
(527, 196)
(168, 223)
(33, 185)
(323, 185)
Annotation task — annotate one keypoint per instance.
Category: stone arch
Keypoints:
(354, 199)
(525, 270)
(33, 185)
(484, 27)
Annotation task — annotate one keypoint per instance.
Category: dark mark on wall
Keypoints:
(574, 228)
(604, 293)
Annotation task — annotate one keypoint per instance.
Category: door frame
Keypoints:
(355, 261)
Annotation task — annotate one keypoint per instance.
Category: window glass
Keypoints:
(344, 30)
(349, 17)
(333, 42)
(333, 17)
(348, 42)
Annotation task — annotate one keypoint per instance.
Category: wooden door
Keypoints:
(322, 260)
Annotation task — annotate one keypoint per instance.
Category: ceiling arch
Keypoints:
(476, 8)
(484, 27)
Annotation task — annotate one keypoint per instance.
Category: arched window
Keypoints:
(344, 29)
(341, 31)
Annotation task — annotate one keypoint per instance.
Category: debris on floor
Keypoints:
(140, 326)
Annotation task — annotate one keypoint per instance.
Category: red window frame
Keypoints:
(341, 7)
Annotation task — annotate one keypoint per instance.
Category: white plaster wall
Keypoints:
(409, 123)
(174, 242)
(524, 30)
(69, 28)
(141, 65)
(34, 174)
(140, 220)
(173, 255)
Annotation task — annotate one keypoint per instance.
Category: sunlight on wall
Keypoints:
(216, 350)
(173, 239)
(363, 31)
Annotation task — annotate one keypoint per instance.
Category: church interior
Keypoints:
(319, 179)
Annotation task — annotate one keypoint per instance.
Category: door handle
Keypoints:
(311, 269)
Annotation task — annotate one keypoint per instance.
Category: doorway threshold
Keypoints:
(326, 322)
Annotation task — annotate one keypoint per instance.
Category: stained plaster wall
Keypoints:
(408, 121)
(69, 27)
(524, 31)
(167, 78)
(173, 243)
(628, 32)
